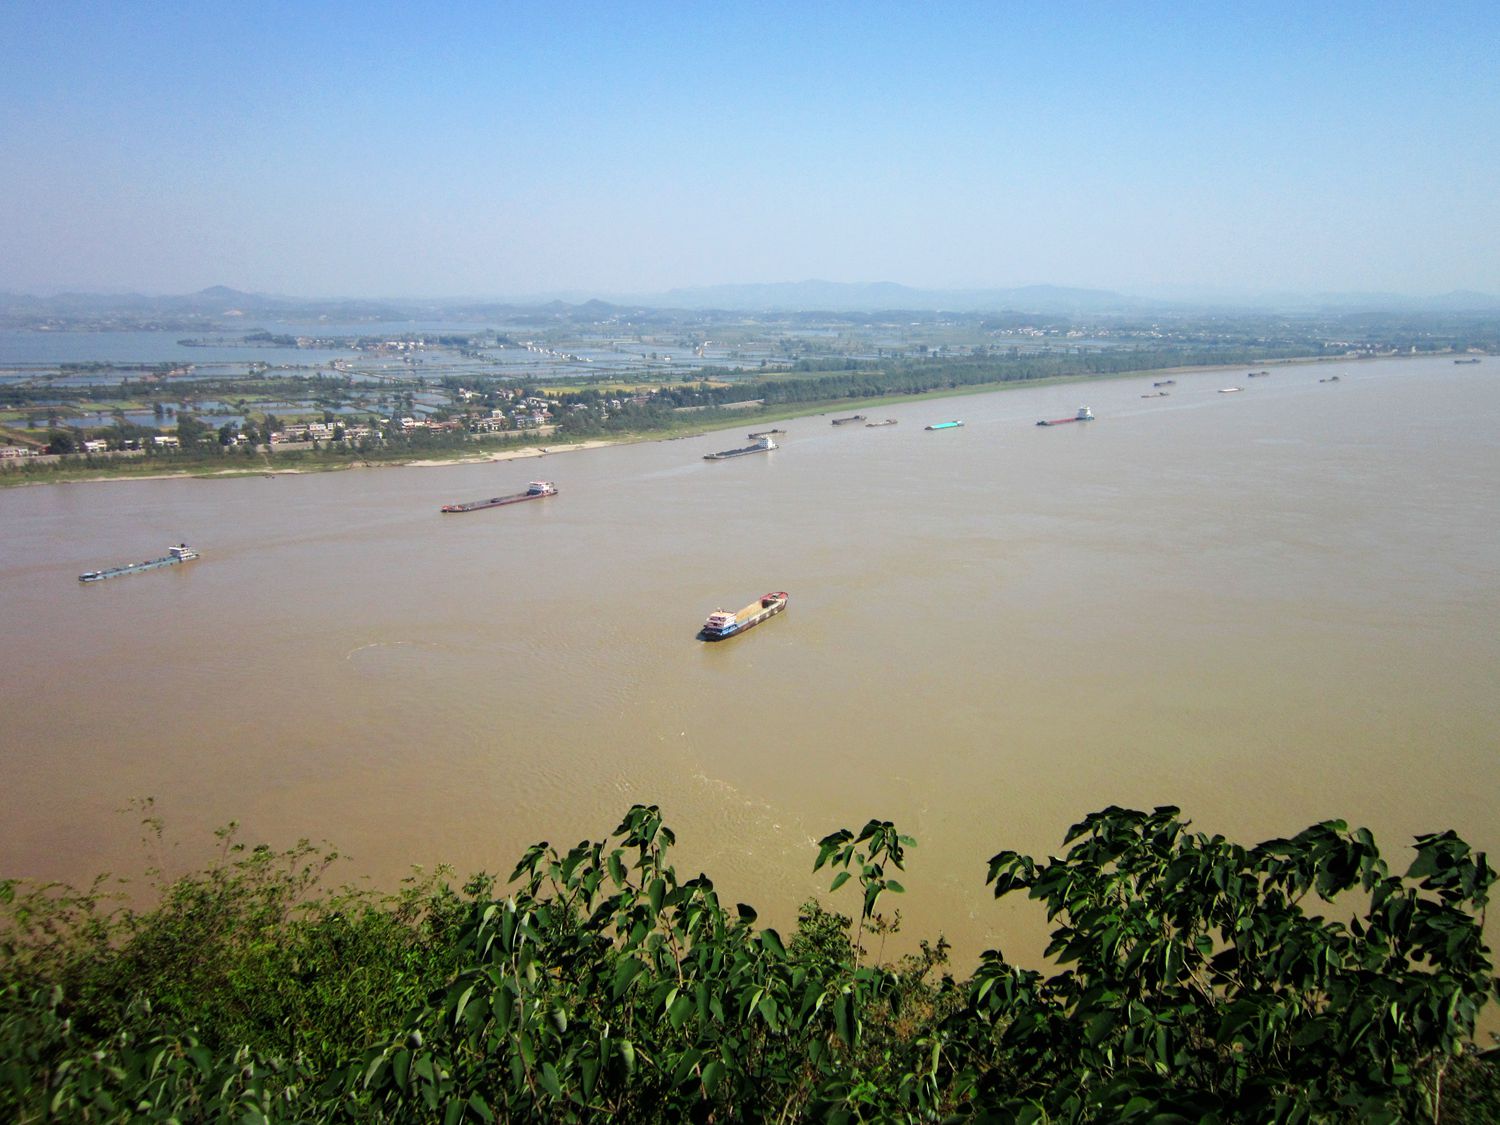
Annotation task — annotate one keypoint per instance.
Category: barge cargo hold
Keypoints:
(534, 491)
(764, 445)
(1084, 415)
(721, 625)
(945, 425)
(179, 554)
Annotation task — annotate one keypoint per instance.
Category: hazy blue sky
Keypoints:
(518, 148)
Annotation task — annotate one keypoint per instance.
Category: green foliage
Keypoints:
(1192, 980)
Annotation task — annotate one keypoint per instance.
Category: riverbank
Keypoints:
(266, 466)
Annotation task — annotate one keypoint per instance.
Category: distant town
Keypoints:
(224, 375)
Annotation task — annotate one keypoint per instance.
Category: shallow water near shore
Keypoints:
(1267, 608)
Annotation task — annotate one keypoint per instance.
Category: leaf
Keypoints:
(770, 941)
(713, 1074)
(589, 1070)
(842, 1021)
(838, 881)
(679, 1010)
(626, 971)
(549, 1080)
(502, 1004)
(768, 1011)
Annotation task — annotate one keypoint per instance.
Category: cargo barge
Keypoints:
(851, 418)
(179, 554)
(765, 433)
(721, 624)
(945, 425)
(534, 491)
(764, 445)
(1084, 415)
(887, 422)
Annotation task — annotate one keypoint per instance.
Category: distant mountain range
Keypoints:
(838, 296)
(221, 304)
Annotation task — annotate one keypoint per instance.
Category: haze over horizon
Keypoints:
(382, 151)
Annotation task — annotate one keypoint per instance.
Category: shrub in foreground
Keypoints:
(1194, 980)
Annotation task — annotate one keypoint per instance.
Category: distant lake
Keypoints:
(52, 348)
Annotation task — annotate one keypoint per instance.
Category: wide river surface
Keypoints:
(1269, 608)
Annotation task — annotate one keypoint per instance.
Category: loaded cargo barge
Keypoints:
(764, 445)
(179, 554)
(1084, 415)
(721, 624)
(534, 491)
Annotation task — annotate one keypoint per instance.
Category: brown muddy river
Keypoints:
(1269, 608)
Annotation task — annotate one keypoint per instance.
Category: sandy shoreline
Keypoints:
(509, 454)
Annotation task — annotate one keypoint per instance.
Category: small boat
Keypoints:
(1155, 394)
(179, 554)
(1166, 383)
(887, 422)
(1330, 379)
(851, 418)
(1230, 390)
(764, 445)
(1084, 415)
(534, 491)
(1256, 374)
(1473, 360)
(721, 624)
(945, 425)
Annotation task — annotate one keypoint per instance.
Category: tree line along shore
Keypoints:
(484, 422)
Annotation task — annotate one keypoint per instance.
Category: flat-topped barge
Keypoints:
(1084, 415)
(534, 491)
(721, 624)
(179, 554)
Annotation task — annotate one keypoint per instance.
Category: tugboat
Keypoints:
(1084, 415)
(179, 554)
(764, 445)
(534, 491)
(721, 624)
